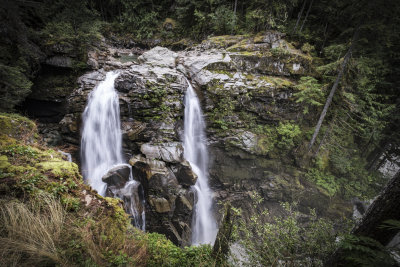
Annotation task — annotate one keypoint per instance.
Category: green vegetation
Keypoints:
(359, 132)
(48, 216)
(310, 93)
(284, 239)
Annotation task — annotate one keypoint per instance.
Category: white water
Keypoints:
(101, 143)
(131, 194)
(204, 227)
(101, 146)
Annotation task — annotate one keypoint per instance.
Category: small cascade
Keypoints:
(101, 149)
(67, 155)
(204, 227)
(133, 196)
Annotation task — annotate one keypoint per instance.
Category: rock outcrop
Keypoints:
(246, 86)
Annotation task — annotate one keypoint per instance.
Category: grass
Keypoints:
(29, 234)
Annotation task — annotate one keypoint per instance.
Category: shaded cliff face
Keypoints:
(246, 87)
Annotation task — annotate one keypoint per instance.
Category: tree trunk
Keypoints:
(299, 16)
(385, 207)
(234, 16)
(323, 139)
(325, 37)
(308, 11)
(333, 90)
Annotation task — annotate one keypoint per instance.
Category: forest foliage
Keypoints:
(362, 126)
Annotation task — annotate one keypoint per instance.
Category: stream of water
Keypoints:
(101, 147)
(204, 227)
(101, 144)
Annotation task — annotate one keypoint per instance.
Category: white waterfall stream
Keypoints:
(101, 146)
(204, 227)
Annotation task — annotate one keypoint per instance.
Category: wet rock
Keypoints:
(152, 166)
(185, 175)
(251, 74)
(93, 64)
(168, 152)
(117, 176)
(125, 82)
(161, 205)
(163, 185)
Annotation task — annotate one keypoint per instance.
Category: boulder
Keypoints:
(152, 166)
(160, 204)
(185, 175)
(93, 63)
(159, 56)
(169, 152)
(117, 176)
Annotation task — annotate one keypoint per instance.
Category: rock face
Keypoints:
(246, 87)
(117, 176)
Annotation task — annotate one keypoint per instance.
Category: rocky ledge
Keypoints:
(246, 87)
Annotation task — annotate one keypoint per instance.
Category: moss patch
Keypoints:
(16, 126)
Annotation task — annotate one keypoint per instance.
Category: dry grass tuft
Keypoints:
(29, 235)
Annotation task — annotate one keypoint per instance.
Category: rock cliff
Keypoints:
(246, 86)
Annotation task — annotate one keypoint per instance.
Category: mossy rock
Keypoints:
(224, 41)
(18, 127)
(4, 164)
(59, 168)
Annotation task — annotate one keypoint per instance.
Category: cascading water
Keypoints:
(204, 227)
(101, 146)
(101, 137)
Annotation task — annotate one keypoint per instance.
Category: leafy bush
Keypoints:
(164, 253)
(324, 180)
(14, 86)
(364, 251)
(222, 20)
(288, 134)
(268, 241)
(310, 93)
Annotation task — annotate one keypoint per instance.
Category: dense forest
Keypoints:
(340, 138)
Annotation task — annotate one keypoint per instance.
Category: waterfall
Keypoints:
(101, 143)
(204, 227)
(101, 147)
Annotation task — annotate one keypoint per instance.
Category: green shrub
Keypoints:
(310, 93)
(162, 252)
(288, 135)
(324, 180)
(364, 251)
(268, 241)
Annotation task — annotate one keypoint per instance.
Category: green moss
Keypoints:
(4, 164)
(251, 53)
(250, 77)
(243, 45)
(259, 38)
(225, 40)
(278, 82)
(265, 144)
(59, 168)
(17, 126)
